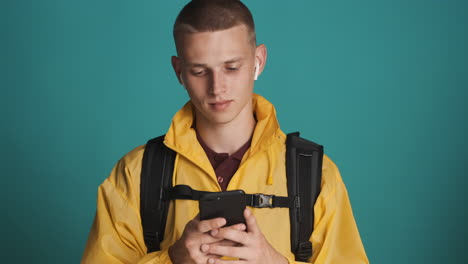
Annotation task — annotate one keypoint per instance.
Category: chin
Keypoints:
(219, 119)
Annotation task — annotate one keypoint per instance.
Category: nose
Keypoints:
(217, 85)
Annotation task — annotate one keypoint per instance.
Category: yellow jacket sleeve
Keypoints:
(336, 238)
(116, 235)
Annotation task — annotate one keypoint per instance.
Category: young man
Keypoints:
(226, 138)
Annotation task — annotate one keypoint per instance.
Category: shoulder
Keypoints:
(133, 160)
(331, 178)
(125, 176)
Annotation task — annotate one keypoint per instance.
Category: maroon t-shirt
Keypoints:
(224, 165)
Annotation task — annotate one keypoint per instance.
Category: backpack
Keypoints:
(303, 171)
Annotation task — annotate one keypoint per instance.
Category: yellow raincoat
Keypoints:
(117, 237)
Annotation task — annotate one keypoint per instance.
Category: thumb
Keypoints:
(250, 221)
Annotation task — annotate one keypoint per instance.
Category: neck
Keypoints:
(228, 137)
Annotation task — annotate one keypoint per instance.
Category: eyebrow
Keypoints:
(237, 59)
(233, 60)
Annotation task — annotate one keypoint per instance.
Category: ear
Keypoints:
(260, 57)
(177, 68)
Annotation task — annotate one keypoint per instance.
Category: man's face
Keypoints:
(217, 69)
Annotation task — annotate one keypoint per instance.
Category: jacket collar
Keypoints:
(181, 137)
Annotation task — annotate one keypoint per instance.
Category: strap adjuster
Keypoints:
(261, 200)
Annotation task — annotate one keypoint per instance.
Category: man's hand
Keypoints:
(253, 247)
(187, 250)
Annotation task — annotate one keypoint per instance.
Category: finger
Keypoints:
(230, 234)
(225, 242)
(210, 224)
(220, 261)
(208, 239)
(250, 221)
(233, 252)
(205, 247)
(211, 256)
(240, 227)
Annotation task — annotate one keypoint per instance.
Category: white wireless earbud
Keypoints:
(257, 66)
(181, 79)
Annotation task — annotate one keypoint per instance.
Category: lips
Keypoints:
(220, 105)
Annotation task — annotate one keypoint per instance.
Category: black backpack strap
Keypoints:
(304, 173)
(257, 200)
(156, 180)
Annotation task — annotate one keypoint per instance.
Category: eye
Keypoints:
(232, 68)
(198, 72)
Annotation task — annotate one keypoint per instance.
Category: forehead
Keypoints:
(216, 46)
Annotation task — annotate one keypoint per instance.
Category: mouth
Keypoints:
(220, 105)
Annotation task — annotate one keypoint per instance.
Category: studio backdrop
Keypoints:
(381, 84)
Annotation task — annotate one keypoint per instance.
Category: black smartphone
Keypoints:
(229, 205)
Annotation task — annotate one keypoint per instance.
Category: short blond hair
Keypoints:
(213, 15)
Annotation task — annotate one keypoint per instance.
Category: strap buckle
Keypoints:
(261, 200)
(304, 251)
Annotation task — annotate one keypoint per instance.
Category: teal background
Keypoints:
(382, 84)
